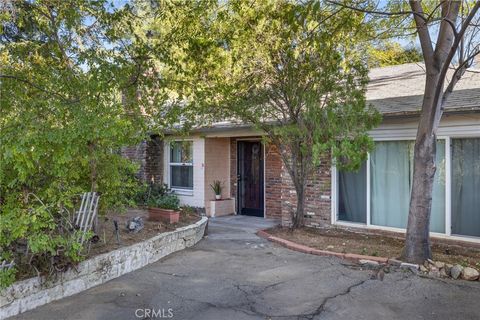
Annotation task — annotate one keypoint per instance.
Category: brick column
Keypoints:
(317, 197)
(149, 156)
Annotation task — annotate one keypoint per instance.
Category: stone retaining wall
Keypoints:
(31, 293)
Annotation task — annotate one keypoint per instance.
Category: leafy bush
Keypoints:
(167, 201)
(187, 210)
(61, 130)
(150, 191)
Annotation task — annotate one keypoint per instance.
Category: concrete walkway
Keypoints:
(233, 274)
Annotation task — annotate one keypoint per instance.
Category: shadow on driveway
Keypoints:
(233, 274)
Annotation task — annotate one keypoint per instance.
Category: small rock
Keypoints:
(368, 262)
(443, 273)
(434, 273)
(380, 275)
(439, 264)
(448, 267)
(470, 274)
(430, 261)
(411, 266)
(394, 262)
(122, 294)
(456, 271)
(330, 247)
(135, 224)
(423, 268)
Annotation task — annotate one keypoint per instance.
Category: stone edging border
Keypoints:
(359, 258)
(31, 293)
(430, 268)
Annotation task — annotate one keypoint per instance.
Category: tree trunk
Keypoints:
(417, 242)
(300, 210)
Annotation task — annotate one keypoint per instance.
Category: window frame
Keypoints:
(368, 224)
(177, 189)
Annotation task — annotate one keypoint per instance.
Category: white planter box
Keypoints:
(221, 207)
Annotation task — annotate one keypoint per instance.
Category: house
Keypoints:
(375, 197)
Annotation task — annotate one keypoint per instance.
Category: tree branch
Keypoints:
(450, 56)
(423, 33)
(376, 12)
(40, 88)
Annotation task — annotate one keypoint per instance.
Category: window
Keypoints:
(352, 201)
(388, 188)
(465, 186)
(391, 174)
(181, 165)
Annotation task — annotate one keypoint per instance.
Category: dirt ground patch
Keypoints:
(107, 240)
(343, 241)
(107, 236)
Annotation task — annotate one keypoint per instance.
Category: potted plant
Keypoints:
(164, 208)
(217, 189)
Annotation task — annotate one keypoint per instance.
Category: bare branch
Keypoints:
(451, 54)
(457, 75)
(423, 33)
(376, 12)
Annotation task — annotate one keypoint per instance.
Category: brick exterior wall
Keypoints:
(273, 182)
(149, 156)
(233, 168)
(137, 154)
(280, 195)
(317, 201)
(217, 167)
(155, 159)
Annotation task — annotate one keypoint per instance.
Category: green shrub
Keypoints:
(167, 201)
(7, 276)
(149, 191)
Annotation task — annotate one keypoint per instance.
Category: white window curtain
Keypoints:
(181, 165)
(466, 186)
(352, 202)
(391, 171)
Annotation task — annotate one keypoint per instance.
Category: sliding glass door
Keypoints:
(465, 186)
(389, 188)
(391, 172)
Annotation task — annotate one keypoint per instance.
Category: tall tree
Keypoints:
(390, 53)
(456, 44)
(294, 70)
(63, 69)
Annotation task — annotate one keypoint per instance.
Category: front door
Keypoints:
(250, 178)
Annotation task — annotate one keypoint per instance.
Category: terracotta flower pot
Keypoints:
(164, 215)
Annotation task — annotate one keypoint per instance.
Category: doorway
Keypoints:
(250, 178)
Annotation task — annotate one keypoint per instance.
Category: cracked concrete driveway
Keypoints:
(233, 274)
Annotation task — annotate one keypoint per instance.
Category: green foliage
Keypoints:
(63, 72)
(188, 210)
(296, 70)
(167, 201)
(150, 191)
(216, 187)
(391, 53)
(7, 276)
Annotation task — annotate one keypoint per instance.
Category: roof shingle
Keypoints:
(397, 90)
